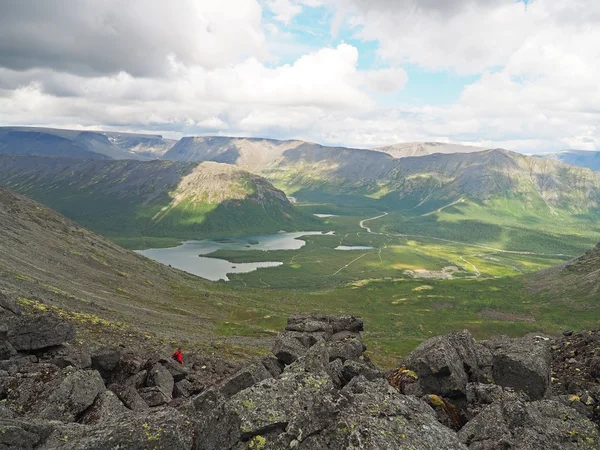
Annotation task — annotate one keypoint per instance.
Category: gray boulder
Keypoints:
(105, 361)
(345, 345)
(74, 395)
(305, 321)
(162, 379)
(183, 388)
(244, 378)
(129, 396)
(35, 333)
(9, 304)
(106, 406)
(445, 364)
(7, 351)
(163, 429)
(177, 371)
(522, 364)
(287, 349)
(273, 365)
(304, 411)
(23, 435)
(154, 396)
(510, 423)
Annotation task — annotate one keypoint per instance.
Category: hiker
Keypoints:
(178, 356)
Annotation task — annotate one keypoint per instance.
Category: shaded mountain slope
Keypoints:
(154, 198)
(81, 144)
(45, 256)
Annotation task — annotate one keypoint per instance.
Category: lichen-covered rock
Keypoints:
(74, 395)
(510, 423)
(151, 430)
(305, 411)
(522, 364)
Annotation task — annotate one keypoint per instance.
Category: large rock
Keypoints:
(161, 378)
(246, 377)
(76, 393)
(522, 364)
(151, 430)
(6, 349)
(510, 423)
(23, 435)
(105, 361)
(129, 396)
(35, 333)
(288, 349)
(304, 411)
(154, 396)
(345, 345)
(106, 406)
(445, 364)
(324, 322)
(9, 304)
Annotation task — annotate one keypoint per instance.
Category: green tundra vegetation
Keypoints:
(463, 248)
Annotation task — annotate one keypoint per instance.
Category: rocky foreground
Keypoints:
(317, 391)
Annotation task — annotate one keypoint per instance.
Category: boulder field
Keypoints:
(318, 390)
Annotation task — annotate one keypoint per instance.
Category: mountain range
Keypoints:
(82, 144)
(580, 158)
(154, 198)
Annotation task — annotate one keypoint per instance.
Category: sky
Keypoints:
(521, 75)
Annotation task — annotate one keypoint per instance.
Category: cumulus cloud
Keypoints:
(194, 67)
(135, 36)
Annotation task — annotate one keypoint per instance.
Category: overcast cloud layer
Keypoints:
(215, 67)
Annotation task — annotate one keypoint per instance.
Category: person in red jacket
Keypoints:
(178, 356)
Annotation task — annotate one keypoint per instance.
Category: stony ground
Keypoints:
(317, 390)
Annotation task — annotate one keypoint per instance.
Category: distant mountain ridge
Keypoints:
(580, 158)
(82, 144)
(153, 198)
(407, 149)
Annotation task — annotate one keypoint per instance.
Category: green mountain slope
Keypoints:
(154, 198)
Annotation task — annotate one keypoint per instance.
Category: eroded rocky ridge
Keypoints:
(318, 390)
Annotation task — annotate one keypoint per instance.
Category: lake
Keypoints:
(188, 255)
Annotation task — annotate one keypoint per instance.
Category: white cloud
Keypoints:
(206, 67)
(284, 10)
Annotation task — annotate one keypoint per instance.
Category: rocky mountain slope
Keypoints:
(426, 148)
(154, 198)
(579, 158)
(316, 391)
(577, 279)
(82, 144)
